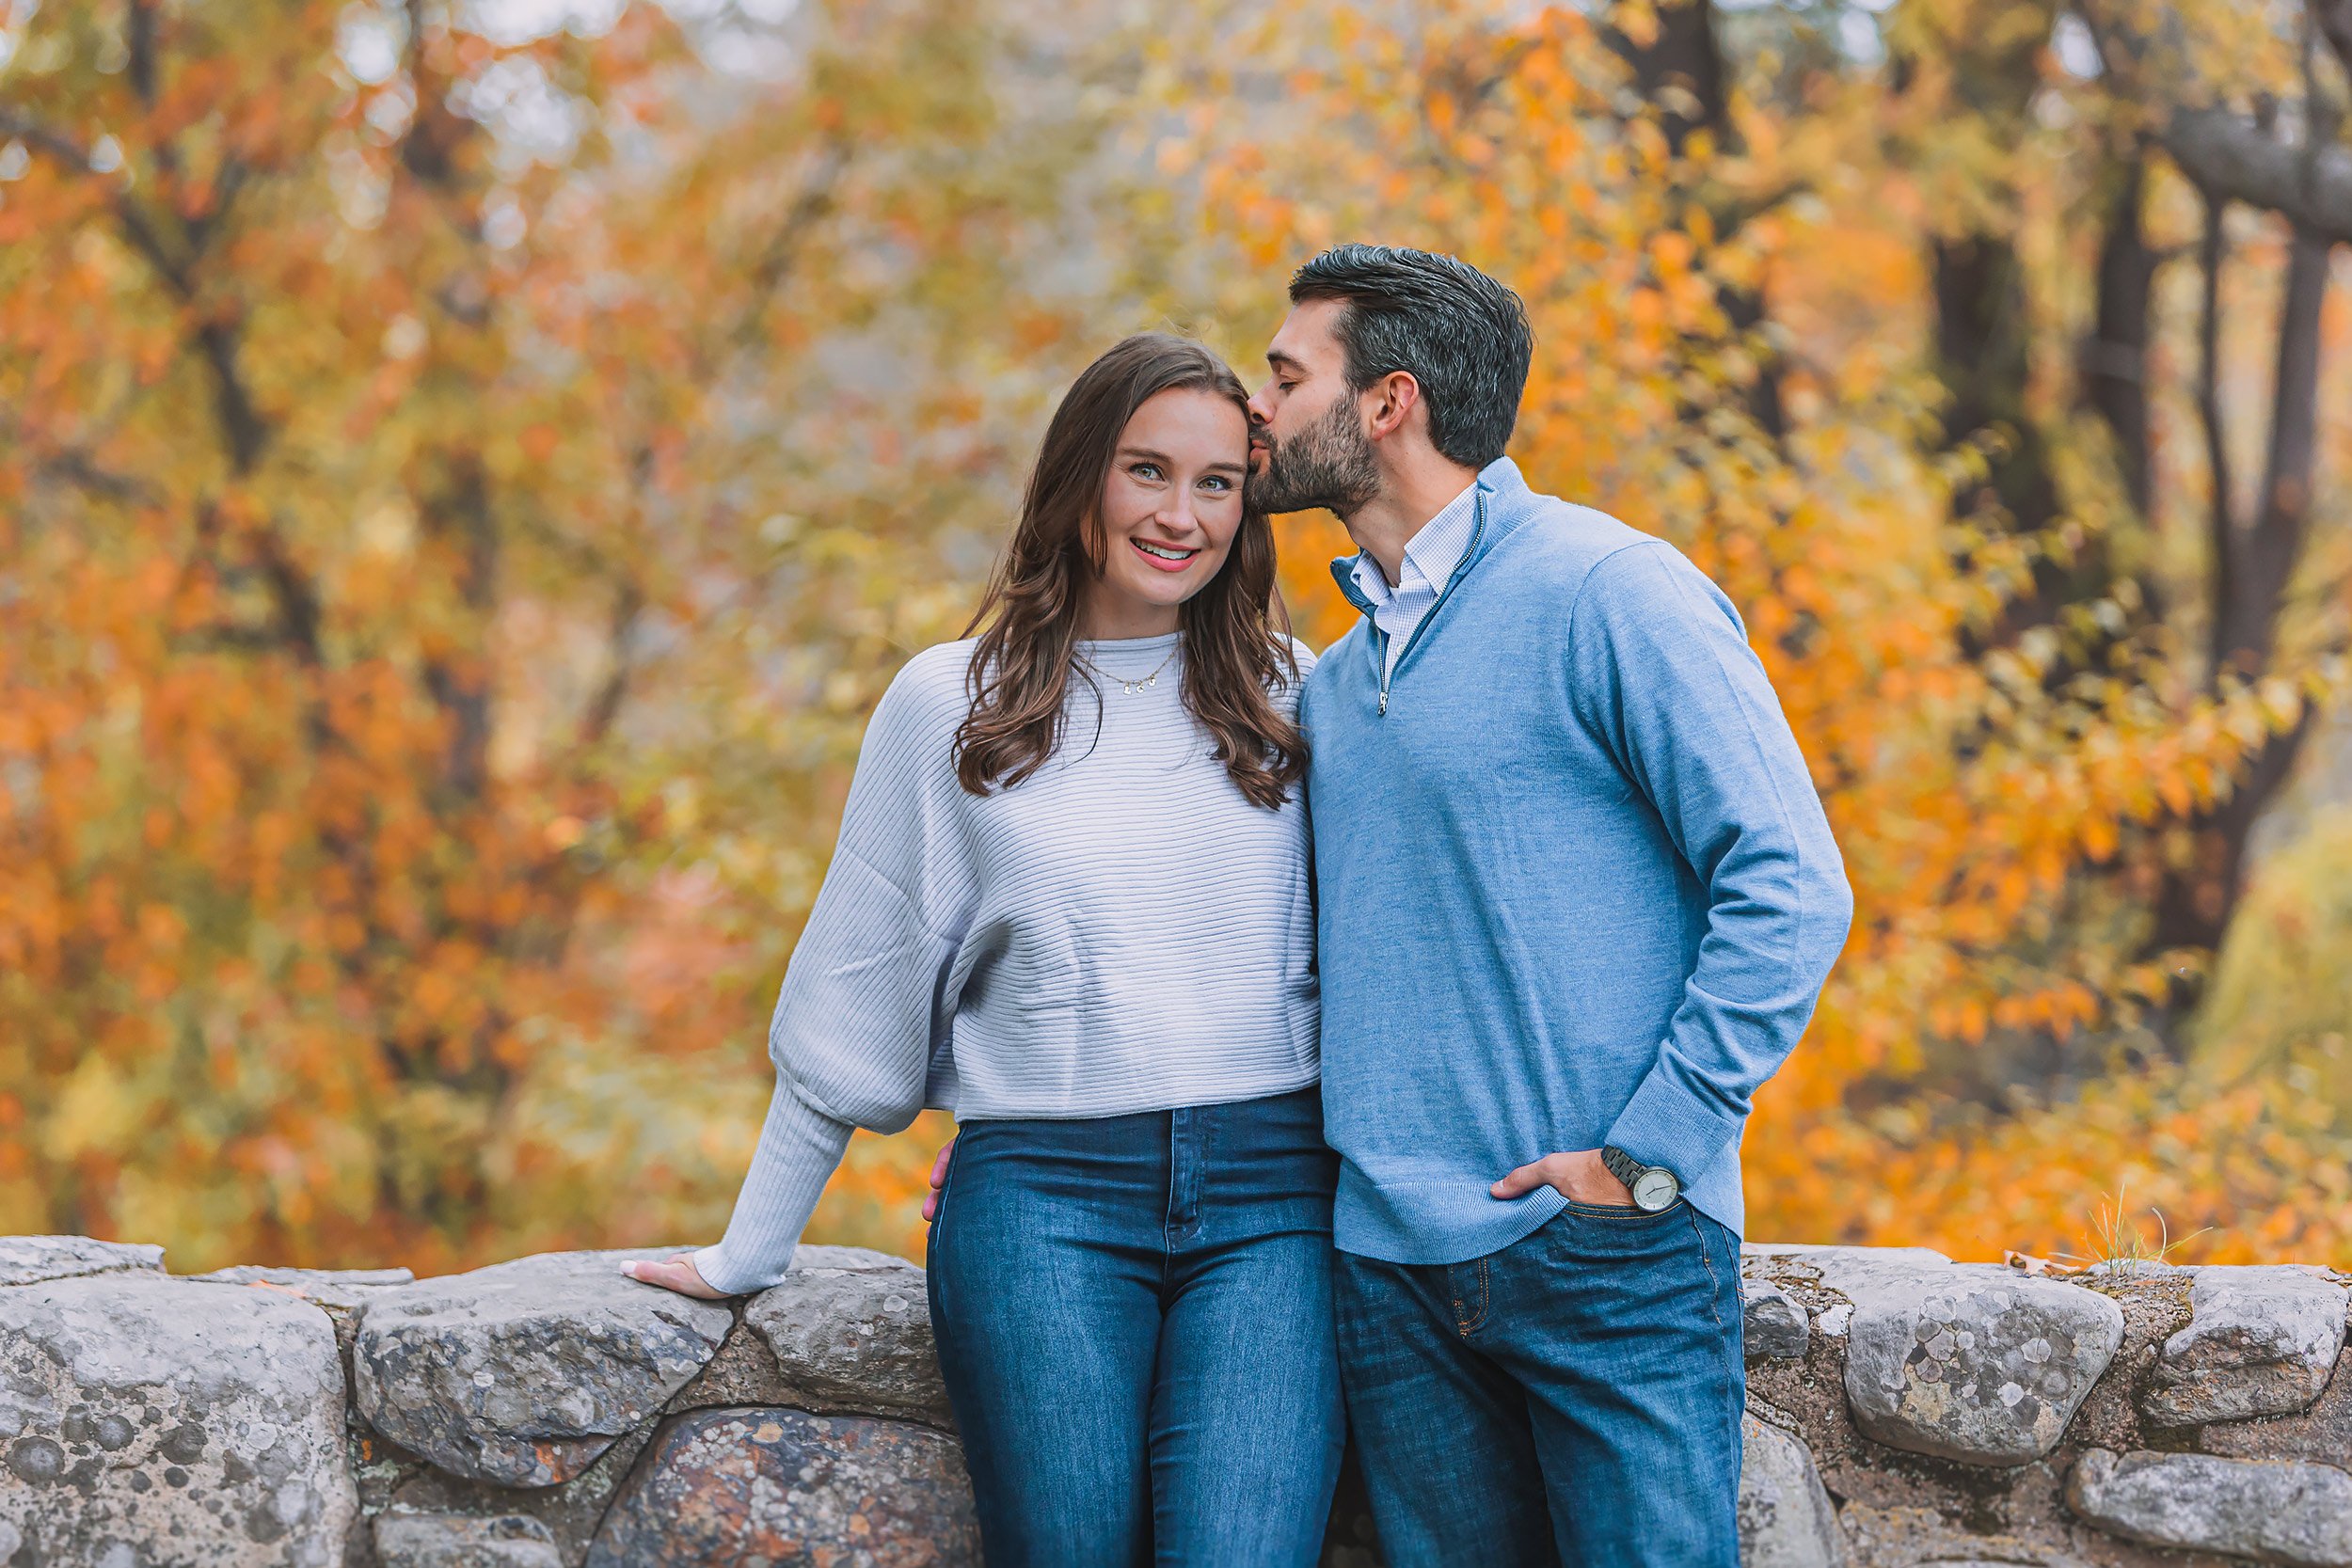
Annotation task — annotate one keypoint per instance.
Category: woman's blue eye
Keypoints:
(1147, 470)
(1219, 481)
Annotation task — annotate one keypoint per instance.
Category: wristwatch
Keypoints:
(1654, 1187)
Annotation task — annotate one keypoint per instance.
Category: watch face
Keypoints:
(1655, 1190)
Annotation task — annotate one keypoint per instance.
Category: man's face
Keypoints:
(1307, 443)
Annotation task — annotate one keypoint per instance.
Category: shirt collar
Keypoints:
(1432, 553)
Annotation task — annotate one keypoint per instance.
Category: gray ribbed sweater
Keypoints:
(1123, 931)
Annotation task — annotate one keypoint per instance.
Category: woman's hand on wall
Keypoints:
(673, 1273)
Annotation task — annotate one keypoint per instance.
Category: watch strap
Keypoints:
(1623, 1166)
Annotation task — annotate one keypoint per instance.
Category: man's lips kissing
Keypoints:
(1165, 558)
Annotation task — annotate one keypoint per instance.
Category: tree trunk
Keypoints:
(1680, 73)
(2253, 568)
(1983, 356)
(2116, 358)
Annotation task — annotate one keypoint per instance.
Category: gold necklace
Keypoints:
(1136, 688)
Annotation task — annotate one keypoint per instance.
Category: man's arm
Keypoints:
(1664, 677)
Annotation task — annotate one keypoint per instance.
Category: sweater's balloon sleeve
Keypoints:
(865, 1002)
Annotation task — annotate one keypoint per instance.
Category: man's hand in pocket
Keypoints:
(1579, 1176)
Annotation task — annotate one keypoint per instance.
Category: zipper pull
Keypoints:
(1384, 701)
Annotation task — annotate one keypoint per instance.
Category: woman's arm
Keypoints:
(799, 1147)
(863, 999)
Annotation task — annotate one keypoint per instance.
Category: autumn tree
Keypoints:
(461, 495)
(1807, 314)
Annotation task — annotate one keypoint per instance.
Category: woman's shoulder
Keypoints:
(1291, 673)
(941, 664)
(928, 694)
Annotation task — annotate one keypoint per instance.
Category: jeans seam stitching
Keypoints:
(1706, 1256)
(1485, 1300)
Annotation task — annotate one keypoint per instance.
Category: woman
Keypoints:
(1069, 902)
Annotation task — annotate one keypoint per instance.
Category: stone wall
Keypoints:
(1904, 1411)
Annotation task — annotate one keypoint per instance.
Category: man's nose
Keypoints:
(1261, 408)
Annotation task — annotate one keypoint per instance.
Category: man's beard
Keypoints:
(1329, 464)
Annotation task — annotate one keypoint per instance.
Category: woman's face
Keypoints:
(1171, 507)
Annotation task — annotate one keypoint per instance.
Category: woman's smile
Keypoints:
(1165, 558)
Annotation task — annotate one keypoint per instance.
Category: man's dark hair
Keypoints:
(1459, 333)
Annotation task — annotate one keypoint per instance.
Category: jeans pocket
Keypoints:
(1625, 1237)
(1620, 1212)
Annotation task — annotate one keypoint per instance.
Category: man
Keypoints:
(1577, 900)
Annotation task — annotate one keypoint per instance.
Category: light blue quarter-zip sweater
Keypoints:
(1575, 883)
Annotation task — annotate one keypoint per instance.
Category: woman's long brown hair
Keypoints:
(1236, 636)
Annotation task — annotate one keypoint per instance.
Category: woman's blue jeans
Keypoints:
(1135, 1321)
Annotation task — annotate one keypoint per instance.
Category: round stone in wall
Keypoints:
(766, 1484)
(147, 1421)
(2287, 1511)
(1975, 1363)
(1772, 1326)
(851, 1330)
(522, 1373)
(2262, 1342)
(1786, 1518)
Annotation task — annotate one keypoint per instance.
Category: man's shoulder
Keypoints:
(1352, 637)
(1610, 574)
(1554, 545)
(1328, 669)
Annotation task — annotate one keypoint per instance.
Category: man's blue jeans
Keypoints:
(1573, 1399)
(1135, 1321)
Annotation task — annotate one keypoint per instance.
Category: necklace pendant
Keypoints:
(1130, 686)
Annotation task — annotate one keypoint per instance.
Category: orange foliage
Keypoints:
(2000, 826)
(458, 499)
(443, 579)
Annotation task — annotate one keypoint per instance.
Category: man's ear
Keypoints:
(1391, 404)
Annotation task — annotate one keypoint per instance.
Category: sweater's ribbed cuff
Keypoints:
(798, 1148)
(1665, 1124)
(722, 1273)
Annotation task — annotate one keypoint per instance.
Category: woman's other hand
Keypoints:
(673, 1273)
(939, 1179)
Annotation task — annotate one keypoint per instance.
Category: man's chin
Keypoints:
(1269, 494)
(1275, 503)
